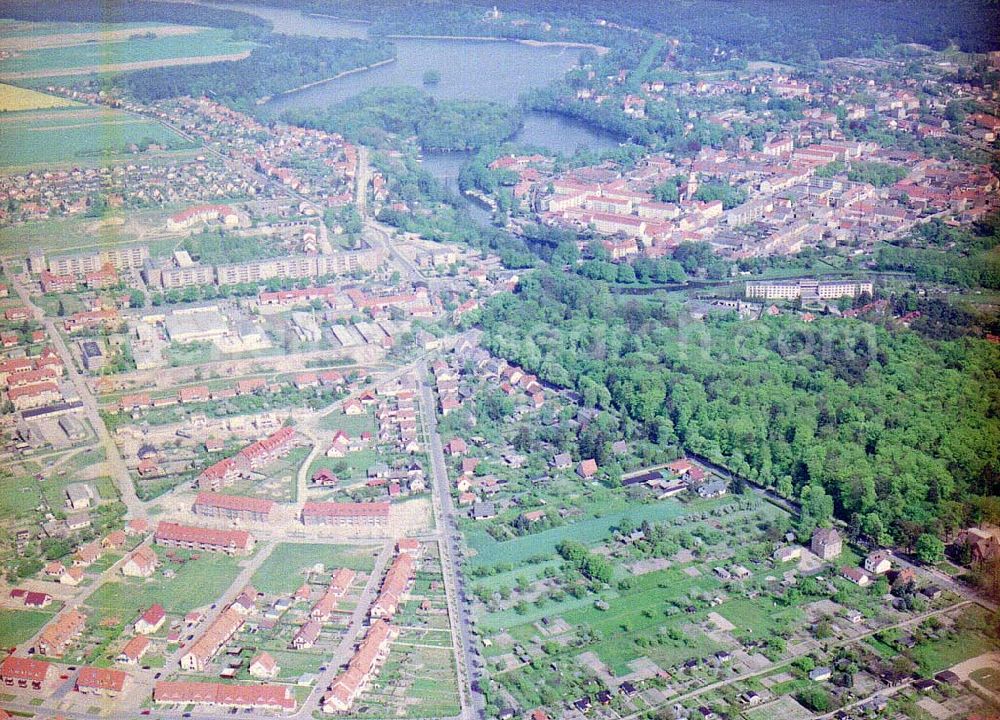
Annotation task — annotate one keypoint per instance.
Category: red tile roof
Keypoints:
(234, 502)
(175, 532)
(264, 696)
(101, 679)
(24, 669)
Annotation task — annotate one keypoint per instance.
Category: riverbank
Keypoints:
(599, 49)
(345, 73)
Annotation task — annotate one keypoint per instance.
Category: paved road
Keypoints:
(114, 464)
(345, 649)
(458, 611)
(231, 593)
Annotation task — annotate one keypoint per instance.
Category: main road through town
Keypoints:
(458, 609)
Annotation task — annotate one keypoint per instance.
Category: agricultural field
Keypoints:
(16, 99)
(86, 135)
(80, 53)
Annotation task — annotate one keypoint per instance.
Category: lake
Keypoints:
(495, 70)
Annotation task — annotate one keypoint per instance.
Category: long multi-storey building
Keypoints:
(807, 289)
(356, 516)
(362, 668)
(231, 542)
(122, 258)
(251, 697)
(59, 633)
(232, 507)
(394, 586)
(211, 641)
(300, 266)
(250, 458)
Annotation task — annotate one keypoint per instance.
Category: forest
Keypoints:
(892, 431)
(753, 29)
(404, 111)
(280, 63)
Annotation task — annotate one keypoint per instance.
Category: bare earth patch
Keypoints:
(721, 622)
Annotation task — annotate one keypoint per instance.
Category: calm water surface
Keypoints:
(470, 69)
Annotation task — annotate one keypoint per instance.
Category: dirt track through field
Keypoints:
(22, 43)
(123, 67)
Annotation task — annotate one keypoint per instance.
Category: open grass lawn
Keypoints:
(933, 656)
(18, 626)
(356, 462)
(197, 583)
(588, 531)
(77, 135)
(13, 99)
(72, 234)
(19, 496)
(283, 571)
(57, 60)
(759, 616)
(350, 424)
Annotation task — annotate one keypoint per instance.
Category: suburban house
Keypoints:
(141, 563)
(151, 620)
(857, 576)
(263, 667)
(134, 649)
(878, 562)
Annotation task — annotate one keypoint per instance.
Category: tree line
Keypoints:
(882, 427)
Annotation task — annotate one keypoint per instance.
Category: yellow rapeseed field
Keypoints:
(14, 98)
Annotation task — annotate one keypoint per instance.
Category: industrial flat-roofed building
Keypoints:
(196, 324)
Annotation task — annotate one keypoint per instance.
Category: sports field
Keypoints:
(14, 99)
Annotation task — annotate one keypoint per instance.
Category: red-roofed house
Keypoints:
(141, 563)
(587, 468)
(23, 672)
(100, 681)
(151, 620)
(264, 667)
(258, 697)
(134, 649)
(231, 542)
